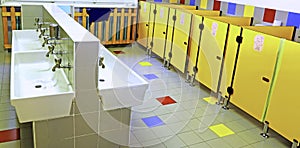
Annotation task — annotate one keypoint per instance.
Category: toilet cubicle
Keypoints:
(253, 61)
(163, 29)
(144, 15)
(147, 19)
(172, 34)
(282, 112)
(208, 44)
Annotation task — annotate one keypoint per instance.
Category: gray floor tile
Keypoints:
(218, 143)
(8, 124)
(174, 142)
(190, 138)
(271, 143)
(251, 136)
(7, 115)
(206, 134)
(240, 125)
(144, 135)
(200, 145)
(234, 141)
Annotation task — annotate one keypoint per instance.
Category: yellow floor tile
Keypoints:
(221, 130)
(211, 100)
(145, 63)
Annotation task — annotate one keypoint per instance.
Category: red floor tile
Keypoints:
(9, 135)
(166, 100)
(118, 52)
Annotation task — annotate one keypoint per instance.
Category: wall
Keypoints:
(287, 5)
(262, 15)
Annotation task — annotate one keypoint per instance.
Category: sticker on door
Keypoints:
(145, 7)
(161, 12)
(182, 19)
(214, 29)
(259, 43)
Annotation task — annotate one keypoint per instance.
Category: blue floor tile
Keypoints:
(153, 121)
(150, 76)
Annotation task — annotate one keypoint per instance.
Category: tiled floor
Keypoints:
(185, 122)
(9, 126)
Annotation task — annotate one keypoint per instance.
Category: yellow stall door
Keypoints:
(143, 26)
(160, 30)
(181, 38)
(229, 59)
(170, 32)
(254, 72)
(283, 113)
(211, 55)
(151, 25)
(194, 42)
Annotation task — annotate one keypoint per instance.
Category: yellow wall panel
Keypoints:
(172, 1)
(283, 112)
(151, 24)
(286, 32)
(211, 54)
(229, 59)
(179, 6)
(249, 11)
(205, 12)
(181, 38)
(203, 4)
(160, 30)
(170, 32)
(143, 23)
(239, 21)
(255, 65)
(194, 42)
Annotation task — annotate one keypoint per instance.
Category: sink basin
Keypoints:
(36, 92)
(118, 85)
(24, 40)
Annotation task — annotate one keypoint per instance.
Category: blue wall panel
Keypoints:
(192, 2)
(293, 19)
(231, 8)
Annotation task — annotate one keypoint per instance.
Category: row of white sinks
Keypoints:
(38, 93)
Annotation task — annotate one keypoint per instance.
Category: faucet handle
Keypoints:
(58, 62)
(46, 41)
(36, 20)
(101, 59)
(51, 49)
(43, 30)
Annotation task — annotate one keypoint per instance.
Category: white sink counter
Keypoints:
(118, 85)
(37, 92)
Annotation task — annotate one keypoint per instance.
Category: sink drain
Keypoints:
(38, 86)
(101, 80)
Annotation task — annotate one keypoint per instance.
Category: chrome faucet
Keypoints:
(47, 40)
(101, 64)
(58, 65)
(40, 24)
